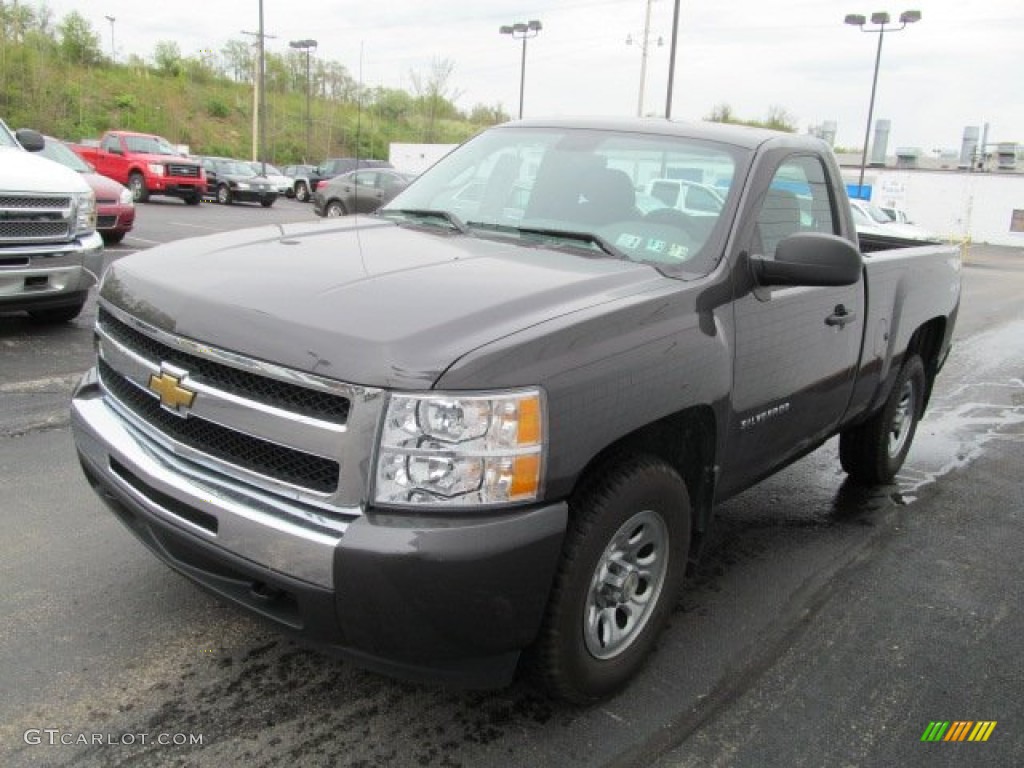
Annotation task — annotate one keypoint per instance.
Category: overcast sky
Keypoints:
(960, 65)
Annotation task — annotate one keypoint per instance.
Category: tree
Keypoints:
(167, 57)
(778, 119)
(238, 60)
(481, 114)
(78, 42)
(434, 96)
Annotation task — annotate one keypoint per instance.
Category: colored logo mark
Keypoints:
(958, 730)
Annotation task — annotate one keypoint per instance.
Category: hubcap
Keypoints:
(902, 419)
(626, 585)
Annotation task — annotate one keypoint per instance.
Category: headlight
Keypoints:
(457, 450)
(85, 213)
(156, 169)
(126, 197)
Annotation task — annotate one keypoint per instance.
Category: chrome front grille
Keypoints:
(251, 453)
(280, 394)
(249, 423)
(183, 170)
(35, 218)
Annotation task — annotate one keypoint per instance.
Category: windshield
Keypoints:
(533, 184)
(56, 150)
(150, 145)
(6, 139)
(875, 213)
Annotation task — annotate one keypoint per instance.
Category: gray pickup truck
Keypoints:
(50, 251)
(475, 428)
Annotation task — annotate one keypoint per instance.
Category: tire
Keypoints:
(334, 209)
(266, 203)
(302, 192)
(137, 184)
(223, 195)
(57, 314)
(112, 238)
(622, 567)
(195, 199)
(873, 452)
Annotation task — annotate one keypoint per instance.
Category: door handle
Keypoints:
(840, 316)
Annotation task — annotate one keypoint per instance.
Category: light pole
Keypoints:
(522, 31)
(643, 58)
(307, 46)
(113, 50)
(880, 20)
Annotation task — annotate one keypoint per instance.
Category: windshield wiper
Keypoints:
(564, 234)
(426, 213)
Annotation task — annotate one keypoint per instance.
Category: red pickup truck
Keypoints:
(146, 164)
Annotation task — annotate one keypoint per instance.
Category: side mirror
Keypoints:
(31, 140)
(810, 259)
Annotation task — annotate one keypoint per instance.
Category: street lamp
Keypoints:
(307, 46)
(522, 31)
(113, 50)
(880, 20)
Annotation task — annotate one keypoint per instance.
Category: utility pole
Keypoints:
(259, 118)
(113, 49)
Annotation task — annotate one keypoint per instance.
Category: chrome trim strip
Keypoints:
(224, 357)
(252, 526)
(250, 417)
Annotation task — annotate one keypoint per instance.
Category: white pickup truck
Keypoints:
(50, 252)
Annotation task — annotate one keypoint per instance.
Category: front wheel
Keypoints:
(193, 199)
(137, 184)
(56, 315)
(223, 195)
(873, 452)
(622, 566)
(302, 192)
(266, 203)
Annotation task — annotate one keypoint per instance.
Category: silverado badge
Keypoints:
(173, 396)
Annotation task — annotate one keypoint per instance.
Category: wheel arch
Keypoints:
(686, 441)
(926, 342)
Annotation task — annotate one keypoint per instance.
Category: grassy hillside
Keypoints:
(56, 79)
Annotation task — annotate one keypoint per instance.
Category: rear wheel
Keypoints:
(266, 203)
(193, 199)
(301, 191)
(334, 209)
(873, 452)
(223, 195)
(137, 184)
(622, 565)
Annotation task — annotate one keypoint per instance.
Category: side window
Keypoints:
(365, 179)
(797, 200)
(111, 144)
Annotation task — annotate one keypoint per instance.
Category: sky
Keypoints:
(960, 65)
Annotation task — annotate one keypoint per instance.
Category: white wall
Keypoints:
(952, 204)
(416, 158)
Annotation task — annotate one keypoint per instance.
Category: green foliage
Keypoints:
(777, 119)
(217, 108)
(54, 77)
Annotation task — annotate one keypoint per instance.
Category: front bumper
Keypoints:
(115, 218)
(49, 276)
(423, 597)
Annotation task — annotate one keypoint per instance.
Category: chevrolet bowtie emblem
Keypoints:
(173, 396)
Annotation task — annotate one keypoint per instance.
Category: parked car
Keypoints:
(280, 182)
(234, 181)
(691, 197)
(358, 191)
(115, 208)
(146, 164)
(50, 251)
(306, 184)
(895, 214)
(872, 220)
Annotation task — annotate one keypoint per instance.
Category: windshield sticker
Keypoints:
(652, 245)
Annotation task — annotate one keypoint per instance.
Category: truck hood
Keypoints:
(26, 172)
(162, 159)
(364, 301)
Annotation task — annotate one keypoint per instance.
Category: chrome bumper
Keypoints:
(291, 538)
